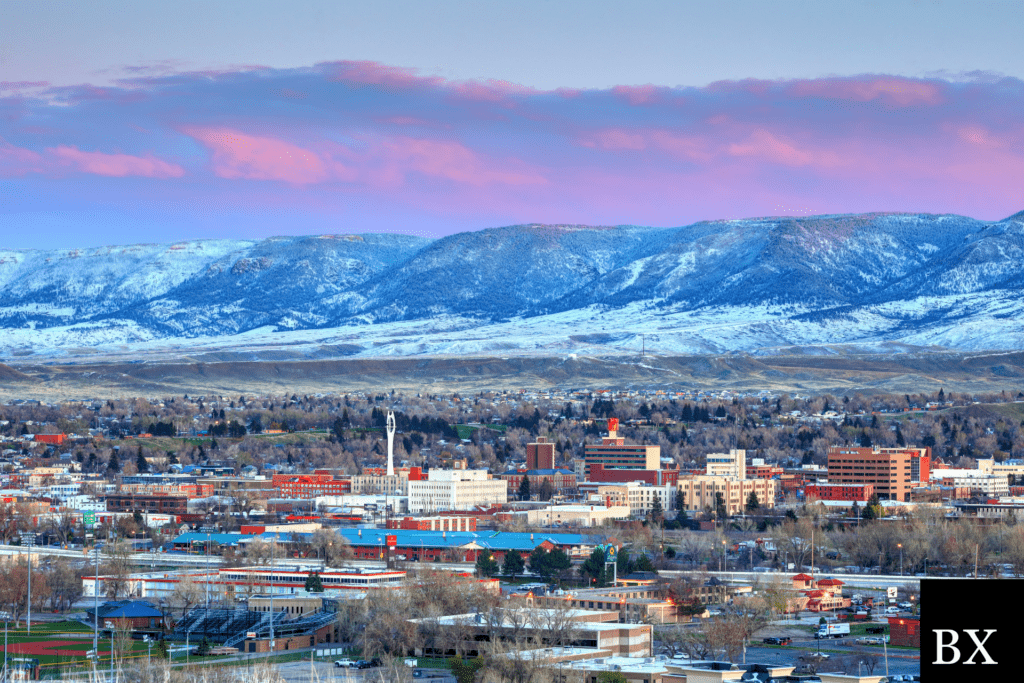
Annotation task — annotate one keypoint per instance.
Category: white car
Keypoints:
(344, 664)
(892, 610)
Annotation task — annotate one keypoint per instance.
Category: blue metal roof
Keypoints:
(127, 609)
(409, 538)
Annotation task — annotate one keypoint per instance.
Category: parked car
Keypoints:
(344, 664)
(892, 610)
(770, 641)
(905, 605)
(363, 664)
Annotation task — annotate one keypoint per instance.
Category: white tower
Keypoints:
(391, 444)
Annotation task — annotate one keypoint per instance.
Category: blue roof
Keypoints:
(409, 538)
(127, 609)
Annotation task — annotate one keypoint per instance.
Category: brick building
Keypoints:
(309, 485)
(892, 471)
(850, 492)
(905, 631)
(168, 505)
(614, 453)
(600, 474)
(540, 455)
(561, 480)
(445, 523)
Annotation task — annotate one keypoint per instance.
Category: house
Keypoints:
(134, 614)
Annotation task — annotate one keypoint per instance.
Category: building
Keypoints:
(697, 492)
(977, 481)
(168, 505)
(905, 631)
(571, 515)
(456, 490)
(561, 480)
(732, 464)
(135, 614)
(892, 471)
(540, 455)
(446, 523)
(661, 477)
(759, 470)
(309, 485)
(614, 453)
(591, 629)
(850, 492)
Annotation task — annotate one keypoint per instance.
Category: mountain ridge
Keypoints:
(925, 280)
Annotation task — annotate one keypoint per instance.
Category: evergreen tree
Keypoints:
(720, 510)
(465, 670)
(592, 569)
(114, 465)
(547, 489)
(644, 564)
(140, 462)
(314, 584)
(486, 565)
(865, 440)
(752, 502)
(524, 488)
(513, 564)
(657, 513)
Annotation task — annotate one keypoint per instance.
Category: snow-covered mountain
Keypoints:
(755, 285)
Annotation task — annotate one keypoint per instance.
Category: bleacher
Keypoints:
(232, 626)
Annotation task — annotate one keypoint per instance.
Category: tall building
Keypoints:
(731, 464)
(893, 471)
(614, 453)
(540, 455)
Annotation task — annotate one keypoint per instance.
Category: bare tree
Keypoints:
(117, 568)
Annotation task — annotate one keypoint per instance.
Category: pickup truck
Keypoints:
(777, 641)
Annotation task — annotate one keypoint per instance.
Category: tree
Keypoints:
(513, 564)
(524, 488)
(486, 565)
(313, 583)
(720, 510)
(186, 594)
(465, 670)
(117, 568)
(331, 546)
(657, 513)
(140, 462)
(593, 568)
(612, 677)
(547, 489)
(753, 504)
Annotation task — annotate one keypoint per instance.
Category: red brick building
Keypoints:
(540, 455)
(599, 474)
(53, 439)
(168, 505)
(447, 523)
(310, 485)
(850, 492)
(905, 631)
(561, 480)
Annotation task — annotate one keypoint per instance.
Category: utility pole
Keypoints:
(29, 539)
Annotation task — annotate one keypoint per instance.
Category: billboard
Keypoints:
(391, 540)
(613, 424)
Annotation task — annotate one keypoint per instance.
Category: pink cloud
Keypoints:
(637, 94)
(117, 165)
(16, 161)
(240, 156)
(900, 91)
(449, 160)
(765, 145)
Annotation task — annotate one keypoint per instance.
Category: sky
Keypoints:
(127, 122)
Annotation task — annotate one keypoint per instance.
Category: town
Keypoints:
(620, 535)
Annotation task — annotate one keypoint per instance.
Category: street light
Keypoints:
(29, 539)
(900, 546)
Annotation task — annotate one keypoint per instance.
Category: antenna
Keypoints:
(391, 443)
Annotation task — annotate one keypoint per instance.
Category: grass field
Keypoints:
(55, 646)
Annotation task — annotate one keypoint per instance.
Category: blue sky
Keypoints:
(126, 121)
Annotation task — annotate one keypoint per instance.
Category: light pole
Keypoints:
(96, 603)
(900, 546)
(29, 539)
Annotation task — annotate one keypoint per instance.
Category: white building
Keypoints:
(456, 490)
(976, 480)
(731, 464)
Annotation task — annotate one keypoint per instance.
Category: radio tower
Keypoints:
(391, 444)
